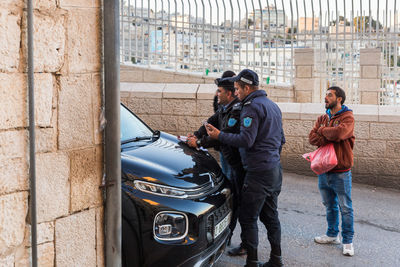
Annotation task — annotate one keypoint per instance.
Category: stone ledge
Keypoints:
(142, 90)
(177, 90)
(206, 91)
(389, 113)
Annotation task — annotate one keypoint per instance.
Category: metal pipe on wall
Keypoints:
(32, 156)
(112, 146)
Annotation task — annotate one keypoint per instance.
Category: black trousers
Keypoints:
(236, 181)
(259, 198)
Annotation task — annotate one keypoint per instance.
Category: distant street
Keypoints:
(376, 225)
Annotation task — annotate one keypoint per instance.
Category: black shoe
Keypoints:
(274, 261)
(253, 264)
(237, 251)
(228, 243)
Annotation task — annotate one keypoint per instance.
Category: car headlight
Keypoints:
(170, 225)
(160, 190)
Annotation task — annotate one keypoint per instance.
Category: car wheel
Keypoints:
(130, 246)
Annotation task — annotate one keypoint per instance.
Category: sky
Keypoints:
(304, 7)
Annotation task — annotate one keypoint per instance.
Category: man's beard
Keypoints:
(331, 105)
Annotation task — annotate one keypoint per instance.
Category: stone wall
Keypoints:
(181, 108)
(140, 74)
(67, 47)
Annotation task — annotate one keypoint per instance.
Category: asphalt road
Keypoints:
(302, 215)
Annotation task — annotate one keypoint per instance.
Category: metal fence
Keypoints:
(210, 36)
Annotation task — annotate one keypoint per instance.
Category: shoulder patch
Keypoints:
(247, 122)
(232, 122)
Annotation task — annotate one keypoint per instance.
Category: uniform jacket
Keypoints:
(261, 135)
(339, 130)
(226, 120)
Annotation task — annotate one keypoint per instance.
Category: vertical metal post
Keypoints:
(32, 155)
(112, 133)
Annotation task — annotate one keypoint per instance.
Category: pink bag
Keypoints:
(323, 159)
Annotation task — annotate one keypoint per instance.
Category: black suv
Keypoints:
(176, 204)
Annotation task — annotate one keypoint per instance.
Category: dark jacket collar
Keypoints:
(253, 95)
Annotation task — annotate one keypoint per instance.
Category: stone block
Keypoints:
(13, 100)
(370, 72)
(10, 34)
(206, 91)
(13, 211)
(53, 194)
(183, 78)
(370, 56)
(46, 140)
(293, 145)
(45, 233)
(45, 256)
(45, 4)
(50, 47)
(392, 149)
(84, 50)
(75, 239)
(290, 111)
(170, 123)
(370, 98)
(378, 166)
(79, 3)
(156, 76)
(307, 146)
(13, 144)
(365, 112)
(131, 75)
(204, 108)
(154, 121)
(281, 92)
(75, 118)
(145, 105)
(7, 261)
(100, 237)
(389, 113)
(296, 163)
(13, 175)
(97, 108)
(297, 128)
(181, 91)
(188, 124)
(369, 85)
(311, 111)
(369, 148)
(304, 71)
(361, 130)
(142, 90)
(304, 56)
(43, 99)
(304, 84)
(303, 96)
(86, 174)
(178, 107)
(385, 131)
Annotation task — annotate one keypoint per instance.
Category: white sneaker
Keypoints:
(324, 239)
(348, 249)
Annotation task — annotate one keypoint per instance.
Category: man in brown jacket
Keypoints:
(337, 127)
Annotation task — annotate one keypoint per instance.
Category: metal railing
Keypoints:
(210, 36)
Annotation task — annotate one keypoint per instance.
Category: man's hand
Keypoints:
(191, 141)
(212, 131)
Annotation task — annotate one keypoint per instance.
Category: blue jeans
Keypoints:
(335, 189)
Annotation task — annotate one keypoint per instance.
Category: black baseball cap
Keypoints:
(246, 76)
(223, 81)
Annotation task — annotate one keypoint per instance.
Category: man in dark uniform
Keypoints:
(260, 142)
(226, 118)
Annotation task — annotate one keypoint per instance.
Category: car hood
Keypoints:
(168, 161)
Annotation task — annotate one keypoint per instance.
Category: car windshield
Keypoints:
(132, 129)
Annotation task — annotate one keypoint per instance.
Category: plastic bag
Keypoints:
(323, 159)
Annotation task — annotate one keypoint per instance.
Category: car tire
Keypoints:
(130, 246)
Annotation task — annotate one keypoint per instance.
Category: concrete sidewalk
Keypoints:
(302, 215)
